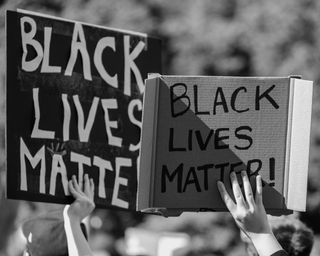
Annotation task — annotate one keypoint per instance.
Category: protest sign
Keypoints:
(74, 106)
(196, 130)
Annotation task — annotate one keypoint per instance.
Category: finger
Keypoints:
(87, 189)
(226, 197)
(237, 191)
(92, 188)
(75, 184)
(72, 190)
(80, 182)
(259, 191)
(247, 190)
(50, 150)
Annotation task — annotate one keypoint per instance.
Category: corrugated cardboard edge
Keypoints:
(299, 144)
(288, 140)
(148, 142)
(5, 106)
(139, 34)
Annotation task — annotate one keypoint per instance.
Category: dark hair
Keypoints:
(294, 236)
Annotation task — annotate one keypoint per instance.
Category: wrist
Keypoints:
(73, 218)
(265, 243)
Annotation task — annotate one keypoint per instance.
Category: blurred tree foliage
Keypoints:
(210, 37)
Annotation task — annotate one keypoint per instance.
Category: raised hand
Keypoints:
(84, 203)
(249, 213)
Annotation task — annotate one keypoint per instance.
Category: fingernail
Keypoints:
(243, 173)
(232, 175)
(219, 185)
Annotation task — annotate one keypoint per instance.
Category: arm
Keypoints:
(250, 215)
(73, 215)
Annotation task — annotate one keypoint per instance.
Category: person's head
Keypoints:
(45, 235)
(292, 234)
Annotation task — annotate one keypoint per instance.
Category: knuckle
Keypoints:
(238, 218)
(252, 210)
(249, 194)
(238, 196)
(242, 215)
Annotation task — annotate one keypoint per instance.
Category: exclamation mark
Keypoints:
(272, 164)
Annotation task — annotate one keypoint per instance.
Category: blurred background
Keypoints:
(207, 37)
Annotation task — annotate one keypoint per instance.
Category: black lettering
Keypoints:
(218, 139)
(233, 167)
(234, 97)
(222, 170)
(266, 95)
(272, 165)
(190, 140)
(242, 136)
(173, 99)
(196, 110)
(251, 163)
(171, 177)
(192, 180)
(171, 143)
(205, 169)
(203, 145)
(222, 102)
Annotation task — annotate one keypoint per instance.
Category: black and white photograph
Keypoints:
(159, 128)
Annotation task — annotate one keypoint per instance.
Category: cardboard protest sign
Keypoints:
(196, 130)
(74, 106)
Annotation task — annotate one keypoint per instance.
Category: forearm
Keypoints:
(77, 243)
(265, 243)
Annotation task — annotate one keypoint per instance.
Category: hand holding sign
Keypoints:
(249, 213)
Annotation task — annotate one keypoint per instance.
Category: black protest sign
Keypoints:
(74, 106)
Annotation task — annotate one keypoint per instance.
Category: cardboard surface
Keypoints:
(209, 126)
(74, 103)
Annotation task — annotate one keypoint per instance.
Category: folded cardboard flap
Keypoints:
(165, 212)
(299, 145)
